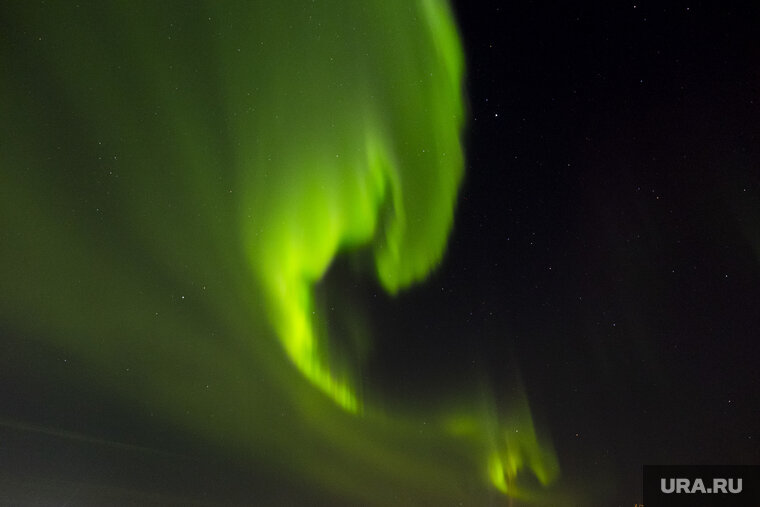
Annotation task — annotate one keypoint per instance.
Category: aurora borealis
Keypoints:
(353, 160)
(181, 179)
(399, 252)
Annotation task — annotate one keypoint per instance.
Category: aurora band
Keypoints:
(182, 178)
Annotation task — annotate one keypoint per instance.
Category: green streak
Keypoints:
(366, 155)
(183, 175)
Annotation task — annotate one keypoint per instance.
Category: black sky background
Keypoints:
(607, 240)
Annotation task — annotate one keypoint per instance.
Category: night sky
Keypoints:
(610, 226)
(246, 260)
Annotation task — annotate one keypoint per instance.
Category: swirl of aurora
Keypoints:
(183, 177)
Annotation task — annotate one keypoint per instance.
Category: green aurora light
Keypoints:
(175, 180)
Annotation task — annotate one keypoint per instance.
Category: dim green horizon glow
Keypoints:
(182, 179)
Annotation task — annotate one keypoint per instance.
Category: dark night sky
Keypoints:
(605, 255)
(607, 241)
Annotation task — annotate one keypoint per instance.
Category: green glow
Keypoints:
(352, 160)
(182, 178)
